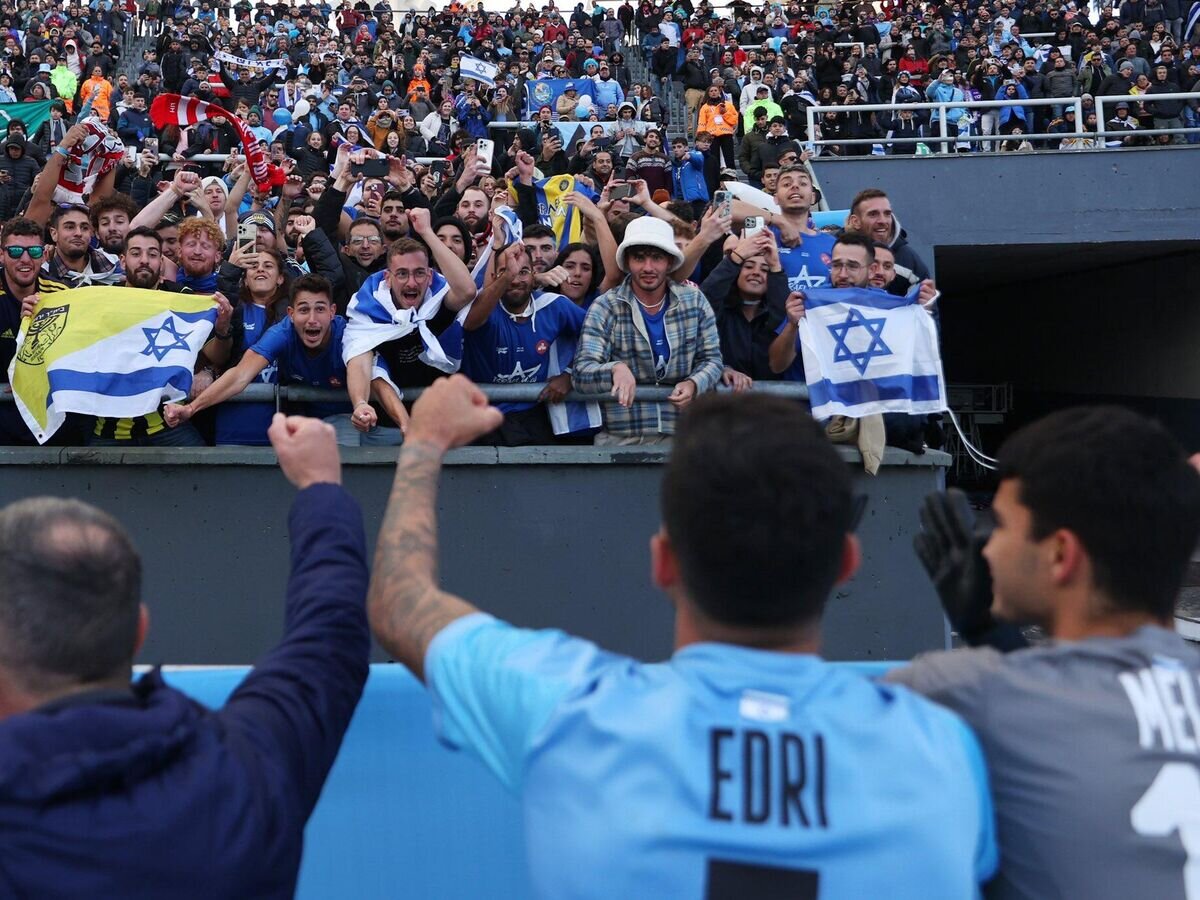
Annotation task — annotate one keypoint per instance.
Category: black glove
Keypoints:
(950, 547)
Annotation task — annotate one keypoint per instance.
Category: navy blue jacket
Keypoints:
(146, 793)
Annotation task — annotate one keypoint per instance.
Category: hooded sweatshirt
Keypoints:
(158, 796)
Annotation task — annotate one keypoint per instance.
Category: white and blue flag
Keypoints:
(372, 318)
(106, 351)
(866, 352)
(479, 69)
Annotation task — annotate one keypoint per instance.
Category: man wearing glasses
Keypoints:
(21, 280)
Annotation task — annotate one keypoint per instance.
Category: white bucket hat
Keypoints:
(649, 232)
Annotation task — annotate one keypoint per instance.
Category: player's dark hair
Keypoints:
(1121, 483)
(20, 227)
(143, 231)
(539, 230)
(114, 202)
(310, 284)
(70, 586)
(757, 504)
(854, 239)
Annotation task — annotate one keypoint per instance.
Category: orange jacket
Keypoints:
(726, 111)
(100, 91)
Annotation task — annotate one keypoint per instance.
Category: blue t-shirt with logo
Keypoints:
(504, 351)
(282, 347)
(659, 345)
(726, 771)
(807, 264)
(247, 423)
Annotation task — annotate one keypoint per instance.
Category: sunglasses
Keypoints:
(17, 252)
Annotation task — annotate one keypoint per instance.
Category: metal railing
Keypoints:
(945, 138)
(497, 393)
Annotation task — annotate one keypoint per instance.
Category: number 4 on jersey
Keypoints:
(1170, 804)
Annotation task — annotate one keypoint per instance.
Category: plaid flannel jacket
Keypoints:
(614, 331)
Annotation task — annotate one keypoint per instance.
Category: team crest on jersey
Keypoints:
(334, 381)
(827, 259)
(565, 184)
(542, 347)
(44, 330)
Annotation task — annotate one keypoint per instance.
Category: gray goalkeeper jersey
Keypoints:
(1093, 750)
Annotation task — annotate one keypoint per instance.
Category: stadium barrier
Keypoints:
(401, 815)
(499, 393)
(945, 138)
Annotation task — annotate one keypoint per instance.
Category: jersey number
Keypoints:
(737, 881)
(1170, 804)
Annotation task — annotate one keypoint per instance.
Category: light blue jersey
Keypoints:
(725, 772)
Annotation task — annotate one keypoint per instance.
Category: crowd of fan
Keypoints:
(359, 89)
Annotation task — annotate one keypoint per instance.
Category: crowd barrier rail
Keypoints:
(945, 138)
(497, 393)
(401, 815)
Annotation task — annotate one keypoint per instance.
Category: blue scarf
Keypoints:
(205, 284)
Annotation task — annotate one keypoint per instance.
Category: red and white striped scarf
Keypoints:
(171, 109)
(98, 153)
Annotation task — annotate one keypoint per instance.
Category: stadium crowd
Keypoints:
(320, 172)
(333, 163)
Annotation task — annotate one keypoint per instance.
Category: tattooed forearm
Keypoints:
(406, 606)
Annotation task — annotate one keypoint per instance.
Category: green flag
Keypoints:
(33, 114)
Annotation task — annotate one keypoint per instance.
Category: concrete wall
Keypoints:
(1029, 198)
(553, 537)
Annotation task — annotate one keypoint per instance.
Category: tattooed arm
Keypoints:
(407, 608)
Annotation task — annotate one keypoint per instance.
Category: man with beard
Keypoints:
(141, 259)
(111, 216)
(393, 220)
(510, 342)
(542, 247)
(22, 282)
(472, 209)
(75, 262)
(647, 311)
(424, 282)
(363, 254)
(306, 346)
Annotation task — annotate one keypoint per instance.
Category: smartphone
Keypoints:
(723, 201)
(438, 167)
(621, 192)
(131, 155)
(602, 143)
(372, 168)
(753, 225)
(151, 144)
(484, 150)
(247, 235)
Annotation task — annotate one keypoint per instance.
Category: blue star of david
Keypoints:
(159, 351)
(877, 348)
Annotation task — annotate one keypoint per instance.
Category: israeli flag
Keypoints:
(867, 352)
(372, 318)
(479, 69)
(106, 351)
